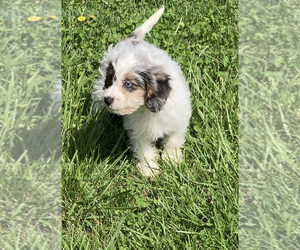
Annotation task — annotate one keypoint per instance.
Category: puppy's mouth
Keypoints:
(123, 111)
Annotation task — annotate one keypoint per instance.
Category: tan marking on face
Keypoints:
(138, 94)
(149, 90)
(127, 76)
(129, 103)
(123, 90)
(126, 102)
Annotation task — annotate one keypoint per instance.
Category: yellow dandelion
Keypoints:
(62, 23)
(33, 18)
(81, 18)
(92, 16)
(1, 23)
(53, 16)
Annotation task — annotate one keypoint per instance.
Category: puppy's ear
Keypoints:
(158, 91)
(110, 73)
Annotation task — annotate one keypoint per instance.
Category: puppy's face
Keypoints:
(128, 88)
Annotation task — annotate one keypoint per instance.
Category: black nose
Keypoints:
(108, 100)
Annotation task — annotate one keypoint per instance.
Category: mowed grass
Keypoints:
(106, 203)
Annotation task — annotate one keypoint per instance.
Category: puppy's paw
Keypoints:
(174, 154)
(148, 170)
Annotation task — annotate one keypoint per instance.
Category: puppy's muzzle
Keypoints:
(108, 100)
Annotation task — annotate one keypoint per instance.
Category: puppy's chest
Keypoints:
(149, 125)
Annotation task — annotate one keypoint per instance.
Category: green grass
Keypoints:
(106, 203)
(29, 135)
(269, 94)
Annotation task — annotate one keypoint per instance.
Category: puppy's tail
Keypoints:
(141, 31)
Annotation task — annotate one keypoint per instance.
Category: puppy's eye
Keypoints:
(115, 78)
(127, 84)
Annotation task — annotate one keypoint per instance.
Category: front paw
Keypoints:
(174, 154)
(149, 169)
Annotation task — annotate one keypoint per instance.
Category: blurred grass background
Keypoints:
(269, 132)
(29, 135)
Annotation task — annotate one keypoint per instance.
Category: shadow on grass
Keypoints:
(98, 137)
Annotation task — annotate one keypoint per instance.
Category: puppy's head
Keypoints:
(128, 87)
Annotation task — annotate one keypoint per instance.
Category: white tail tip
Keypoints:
(141, 31)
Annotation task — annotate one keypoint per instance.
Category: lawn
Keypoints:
(106, 203)
(269, 115)
(29, 134)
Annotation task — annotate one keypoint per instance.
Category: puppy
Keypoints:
(144, 85)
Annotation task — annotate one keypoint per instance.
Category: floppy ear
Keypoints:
(158, 91)
(110, 73)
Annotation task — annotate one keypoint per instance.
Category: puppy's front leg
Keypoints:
(172, 146)
(146, 154)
